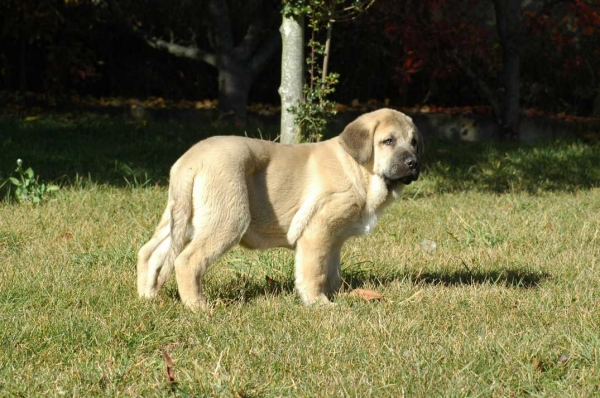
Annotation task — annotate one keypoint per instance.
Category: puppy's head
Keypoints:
(388, 142)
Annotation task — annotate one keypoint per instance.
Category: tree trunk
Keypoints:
(512, 66)
(237, 65)
(510, 33)
(327, 50)
(234, 87)
(292, 61)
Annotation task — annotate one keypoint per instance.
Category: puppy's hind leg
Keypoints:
(191, 265)
(151, 259)
(218, 225)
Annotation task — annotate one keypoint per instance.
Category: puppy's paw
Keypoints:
(148, 294)
(199, 304)
(319, 300)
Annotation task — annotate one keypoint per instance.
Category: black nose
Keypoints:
(412, 163)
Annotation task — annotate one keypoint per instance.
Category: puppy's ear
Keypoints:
(357, 140)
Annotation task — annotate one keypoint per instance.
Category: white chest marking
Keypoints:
(376, 195)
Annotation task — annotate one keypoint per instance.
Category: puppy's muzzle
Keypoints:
(413, 167)
(405, 173)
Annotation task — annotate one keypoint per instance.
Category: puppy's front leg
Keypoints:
(334, 277)
(313, 254)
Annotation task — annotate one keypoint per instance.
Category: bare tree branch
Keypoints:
(191, 52)
(349, 13)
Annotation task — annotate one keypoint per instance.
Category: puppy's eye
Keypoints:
(413, 142)
(389, 142)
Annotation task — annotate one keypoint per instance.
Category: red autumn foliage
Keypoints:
(428, 32)
(559, 44)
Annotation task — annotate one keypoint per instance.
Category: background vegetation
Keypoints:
(412, 52)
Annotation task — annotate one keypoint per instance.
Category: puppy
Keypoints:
(311, 198)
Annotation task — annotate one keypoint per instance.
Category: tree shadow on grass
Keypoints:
(507, 167)
(107, 150)
(119, 151)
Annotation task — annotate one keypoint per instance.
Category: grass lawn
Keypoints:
(506, 304)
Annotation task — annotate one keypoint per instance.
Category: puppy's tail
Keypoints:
(180, 206)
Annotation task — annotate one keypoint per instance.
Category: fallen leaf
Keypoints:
(170, 364)
(365, 294)
(66, 236)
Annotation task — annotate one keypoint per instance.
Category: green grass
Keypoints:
(508, 304)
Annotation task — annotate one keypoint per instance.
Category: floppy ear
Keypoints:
(357, 140)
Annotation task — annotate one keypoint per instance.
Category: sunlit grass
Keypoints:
(507, 304)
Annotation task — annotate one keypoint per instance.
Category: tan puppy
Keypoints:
(260, 194)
